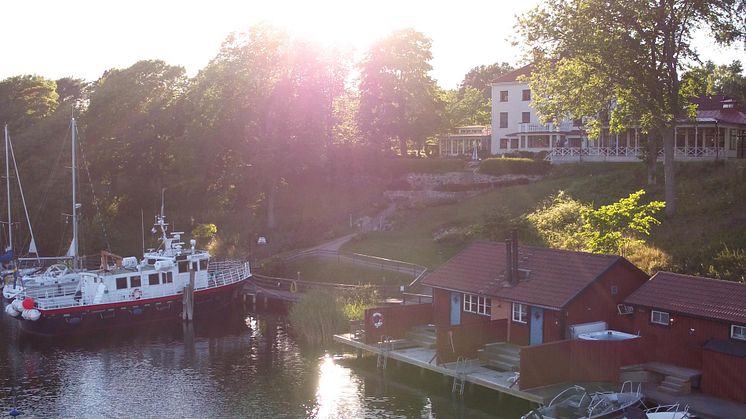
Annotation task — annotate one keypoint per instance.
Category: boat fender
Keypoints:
(377, 319)
(137, 293)
(18, 305)
(32, 314)
(10, 311)
(293, 287)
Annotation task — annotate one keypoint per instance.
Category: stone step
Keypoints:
(674, 387)
(502, 366)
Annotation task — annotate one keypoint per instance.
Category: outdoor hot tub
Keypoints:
(606, 335)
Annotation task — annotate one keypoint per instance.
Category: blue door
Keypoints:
(455, 308)
(537, 326)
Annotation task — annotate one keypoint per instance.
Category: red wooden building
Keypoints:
(697, 323)
(525, 295)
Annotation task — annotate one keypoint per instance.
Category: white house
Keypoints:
(718, 131)
(464, 140)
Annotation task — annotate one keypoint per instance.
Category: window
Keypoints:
(151, 261)
(614, 290)
(195, 266)
(503, 143)
(503, 119)
(135, 281)
(733, 139)
(526, 117)
(526, 96)
(503, 96)
(183, 266)
(477, 304)
(660, 317)
(167, 277)
(738, 332)
(203, 264)
(153, 279)
(520, 313)
(121, 283)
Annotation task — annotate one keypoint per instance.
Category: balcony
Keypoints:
(529, 127)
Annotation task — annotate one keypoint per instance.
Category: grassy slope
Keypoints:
(711, 211)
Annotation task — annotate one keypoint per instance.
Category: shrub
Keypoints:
(729, 264)
(514, 166)
(317, 317)
(558, 221)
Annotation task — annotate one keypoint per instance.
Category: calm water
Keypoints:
(241, 364)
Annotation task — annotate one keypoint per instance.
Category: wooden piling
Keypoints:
(187, 312)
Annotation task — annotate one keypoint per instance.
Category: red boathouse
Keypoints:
(697, 323)
(524, 295)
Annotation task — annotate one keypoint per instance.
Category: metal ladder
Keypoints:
(385, 345)
(459, 380)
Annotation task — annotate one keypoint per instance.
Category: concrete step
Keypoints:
(674, 385)
(638, 376)
(676, 380)
(503, 347)
(502, 366)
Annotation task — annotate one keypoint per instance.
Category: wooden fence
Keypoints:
(466, 339)
(395, 321)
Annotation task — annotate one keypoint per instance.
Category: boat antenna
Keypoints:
(7, 188)
(142, 226)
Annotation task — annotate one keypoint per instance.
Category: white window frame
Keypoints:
(522, 313)
(659, 319)
(477, 304)
(737, 332)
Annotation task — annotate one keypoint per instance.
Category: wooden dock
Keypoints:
(473, 371)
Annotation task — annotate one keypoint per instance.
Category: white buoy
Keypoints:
(10, 311)
(32, 314)
(18, 305)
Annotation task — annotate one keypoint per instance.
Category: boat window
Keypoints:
(203, 264)
(660, 317)
(738, 332)
(167, 277)
(121, 283)
(520, 313)
(151, 261)
(135, 281)
(195, 266)
(153, 279)
(183, 266)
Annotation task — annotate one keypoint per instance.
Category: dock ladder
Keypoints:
(459, 380)
(385, 345)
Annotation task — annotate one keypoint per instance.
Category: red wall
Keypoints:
(724, 375)
(596, 303)
(467, 338)
(397, 320)
(519, 332)
(578, 361)
(677, 344)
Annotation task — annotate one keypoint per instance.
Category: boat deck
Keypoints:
(474, 371)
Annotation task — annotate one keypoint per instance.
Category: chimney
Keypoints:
(509, 261)
(514, 262)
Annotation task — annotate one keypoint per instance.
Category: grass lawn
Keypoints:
(711, 212)
(322, 270)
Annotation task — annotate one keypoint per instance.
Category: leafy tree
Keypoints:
(480, 78)
(559, 221)
(710, 79)
(469, 109)
(71, 90)
(25, 100)
(398, 98)
(618, 62)
(613, 228)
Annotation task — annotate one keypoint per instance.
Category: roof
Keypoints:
(555, 276)
(513, 75)
(693, 295)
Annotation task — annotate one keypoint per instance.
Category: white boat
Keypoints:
(576, 403)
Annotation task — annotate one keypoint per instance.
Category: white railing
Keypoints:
(226, 272)
(632, 153)
(529, 127)
(696, 152)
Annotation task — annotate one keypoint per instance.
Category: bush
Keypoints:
(729, 264)
(514, 166)
(317, 317)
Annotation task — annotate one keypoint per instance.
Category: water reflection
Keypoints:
(237, 365)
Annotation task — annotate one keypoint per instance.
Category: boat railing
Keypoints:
(225, 273)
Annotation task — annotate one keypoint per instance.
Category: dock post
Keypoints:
(253, 301)
(187, 312)
(266, 302)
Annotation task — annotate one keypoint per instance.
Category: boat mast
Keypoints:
(7, 188)
(75, 199)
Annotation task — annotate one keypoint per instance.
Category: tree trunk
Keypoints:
(668, 169)
(271, 192)
(651, 159)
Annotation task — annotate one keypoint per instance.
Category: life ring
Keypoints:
(293, 287)
(137, 293)
(377, 320)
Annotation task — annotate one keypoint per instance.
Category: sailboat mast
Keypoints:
(75, 199)
(7, 188)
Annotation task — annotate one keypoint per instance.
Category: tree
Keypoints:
(25, 100)
(709, 79)
(618, 62)
(468, 109)
(398, 98)
(481, 77)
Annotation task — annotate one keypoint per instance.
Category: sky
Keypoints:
(83, 38)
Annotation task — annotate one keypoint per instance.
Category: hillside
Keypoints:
(711, 213)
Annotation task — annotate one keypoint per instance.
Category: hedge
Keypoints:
(513, 166)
